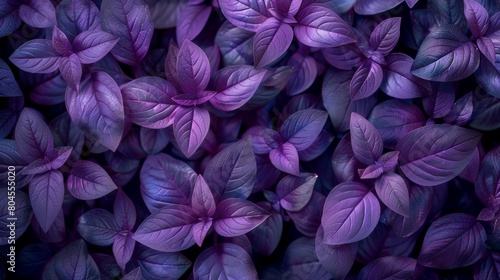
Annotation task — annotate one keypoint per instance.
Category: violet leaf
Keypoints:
(8, 84)
(123, 247)
(124, 211)
(392, 190)
(366, 80)
(76, 16)
(367, 7)
(386, 35)
(266, 237)
(303, 127)
(461, 111)
(286, 158)
(98, 227)
(300, 261)
(245, 14)
(295, 192)
(235, 44)
(236, 216)
(389, 267)
(160, 265)
(366, 141)
(193, 68)
(272, 39)
(487, 183)
(191, 125)
(46, 195)
(191, 21)
(88, 180)
(71, 71)
(33, 137)
(202, 200)
(92, 46)
(308, 219)
(36, 56)
(477, 18)
(38, 13)
(304, 73)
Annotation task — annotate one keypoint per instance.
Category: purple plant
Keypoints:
(249, 139)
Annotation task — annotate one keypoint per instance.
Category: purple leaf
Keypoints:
(58, 156)
(454, 240)
(434, 154)
(371, 172)
(350, 214)
(322, 28)
(390, 267)
(71, 71)
(166, 181)
(272, 39)
(366, 80)
(440, 102)
(394, 119)
(266, 237)
(318, 147)
(98, 227)
(168, 229)
(153, 141)
(300, 261)
(477, 18)
(488, 180)
(235, 44)
(38, 13)
(398, 80)
(303, 127)
(488, 267)
(33, 137)
(159, 265)
(193, 68)
(148, 101)
(366, 141)
(92, 46)
(46, 196)
(201, 229)
(133, 275)
(488, 76)
(124, 211)
(191, 125)
(23, 213)
(485, 110)
(344, 163)
(367, 7)
(202, 200)
(130, 20)
(123, 247)
(8, 84)
(304, 73)
(295, 192)
(36, 56)
(285, 158)
(446, 55)
(88, 181)
(461, 111)
(76, 16)
(50, 92)
(9, 18)
(235, 85)
(472, 169)
(72, 262)
(225, 260)
(389, 160)
(392, 190)
(236, 216)
(61, 42)
(191, 21)
(98, 109)
(385, 36)
(245, 14)
(231, 173)
(308, 219)
(337, 259)
(487, 48)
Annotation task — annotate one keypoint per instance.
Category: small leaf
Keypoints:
(392, 190)
(385, 36)
(98, 227)
(202, 200)
(97, 108)
(200, 231)
(371, 172)
(303, 75)
(168, 229)
(350, 214)
(434, 154)
(130, 20)
(366, 141)
(193, 68)
(33, 137)
(320, 27)
(303, 127)
(71, 71)
(236, 216)
(272, 39)
(225, 260)
(366, 80)
(88, 181)
(123, 247)
(36, 56)
(191, 125)
(452, 241)
(92, 46)
(461, 111)
(46, 195)
(72, 262)
(295, 192)
(285, 158)
(446, 55)
(124, 211)
(245, 14)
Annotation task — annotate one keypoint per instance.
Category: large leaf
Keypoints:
(130, 20)
(366, 80)
(272, 39)
(235, 44)
(166, 181)
(337, 259)
(434, 154)
(224, 261)
(392, 190)
(191, 125)
(97, 108)
(193, 68)
(245, 14)
(454, 240)
(72, 262)
(386, 35)
(446, 55)
(47, 195)
(33, 137)
(368, 7)
(76, 16)
(98, 226)
(350, 214)
(398, 80)
(168, 229)
(191, 22)
(236, 216)
(148, 101)
(295, 192)
(322, 28)
(160, 265)
(231, 173)
(88, 180)
(366, 141)
(8, 84)
(36, 56)
(303, 127)
(235, 85)
(390, 267)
